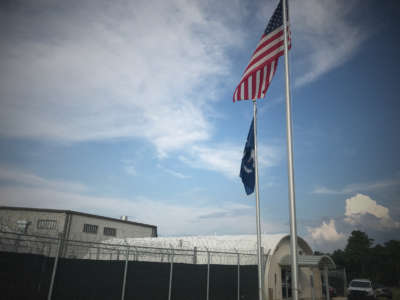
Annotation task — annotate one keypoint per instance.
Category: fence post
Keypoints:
(17, 243)
(125, 273)
(170, 275)
(208, 274)
(98, 253)
(326, 282)
(312, 287)
(53, 275)
(49, 252)
(195, 255)
(238, 276)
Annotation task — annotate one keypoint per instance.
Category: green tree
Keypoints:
(358, 254)
(339, 257)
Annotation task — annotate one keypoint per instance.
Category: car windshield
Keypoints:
(360, 284)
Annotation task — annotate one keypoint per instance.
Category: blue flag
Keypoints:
(247, 169)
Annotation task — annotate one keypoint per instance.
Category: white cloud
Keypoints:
(143, 69)
(226, 158)
(326, 232)
(362, 205)
(326, 237)
(131, 70)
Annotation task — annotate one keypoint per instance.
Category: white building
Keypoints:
(70, 225)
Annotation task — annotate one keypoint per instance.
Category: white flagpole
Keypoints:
(292, 204)
(257, 202)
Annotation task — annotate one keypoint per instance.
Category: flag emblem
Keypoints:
(262, 66)
(247, 169)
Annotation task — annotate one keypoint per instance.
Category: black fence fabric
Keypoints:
(248, 282)
(28, 276)
(82, 279)
(24, 276)
(147, 280)
(189, 282)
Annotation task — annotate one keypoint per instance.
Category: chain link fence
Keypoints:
(39, 267)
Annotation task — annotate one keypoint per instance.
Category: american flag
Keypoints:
(262, 66)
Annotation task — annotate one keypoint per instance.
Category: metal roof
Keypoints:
(319, 261)
(234, 243)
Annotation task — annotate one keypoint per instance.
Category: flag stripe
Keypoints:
(266, 59)
(271, 44)
(260, 70)
(258, 83)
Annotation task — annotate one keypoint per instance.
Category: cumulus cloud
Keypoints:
(326, 236)
(362, 206)
(361, 213)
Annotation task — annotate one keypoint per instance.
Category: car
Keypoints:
(360, 289)
(382, 291)
(332, 291)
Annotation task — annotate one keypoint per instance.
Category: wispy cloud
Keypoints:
(20, 178)
(127, 70)
(357, 187)
(129, 167)
(324, 37)
(171, 218)
(173, 172)
(226, 158)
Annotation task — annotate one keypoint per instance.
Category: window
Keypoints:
(110, 231)
(47, 224)
(89, 228)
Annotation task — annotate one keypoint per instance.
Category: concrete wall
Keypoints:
(13, 220)
(71, 224)
(123, 229)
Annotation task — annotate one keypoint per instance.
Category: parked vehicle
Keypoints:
(382, 291)
(360, 289)
(332, 291)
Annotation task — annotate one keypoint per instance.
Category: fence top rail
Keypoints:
(122, 247)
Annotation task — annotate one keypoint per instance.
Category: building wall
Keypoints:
(55, 224)
(122, 229)
(37, 223)
(273, 274)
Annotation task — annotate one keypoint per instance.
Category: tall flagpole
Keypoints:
(292, 204)
(257, 203)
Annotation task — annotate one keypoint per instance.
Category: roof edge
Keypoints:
(75, 213)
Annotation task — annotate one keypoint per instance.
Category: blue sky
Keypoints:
(125, 108)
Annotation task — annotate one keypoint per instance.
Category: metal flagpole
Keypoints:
(292, 204)
(257, 202)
